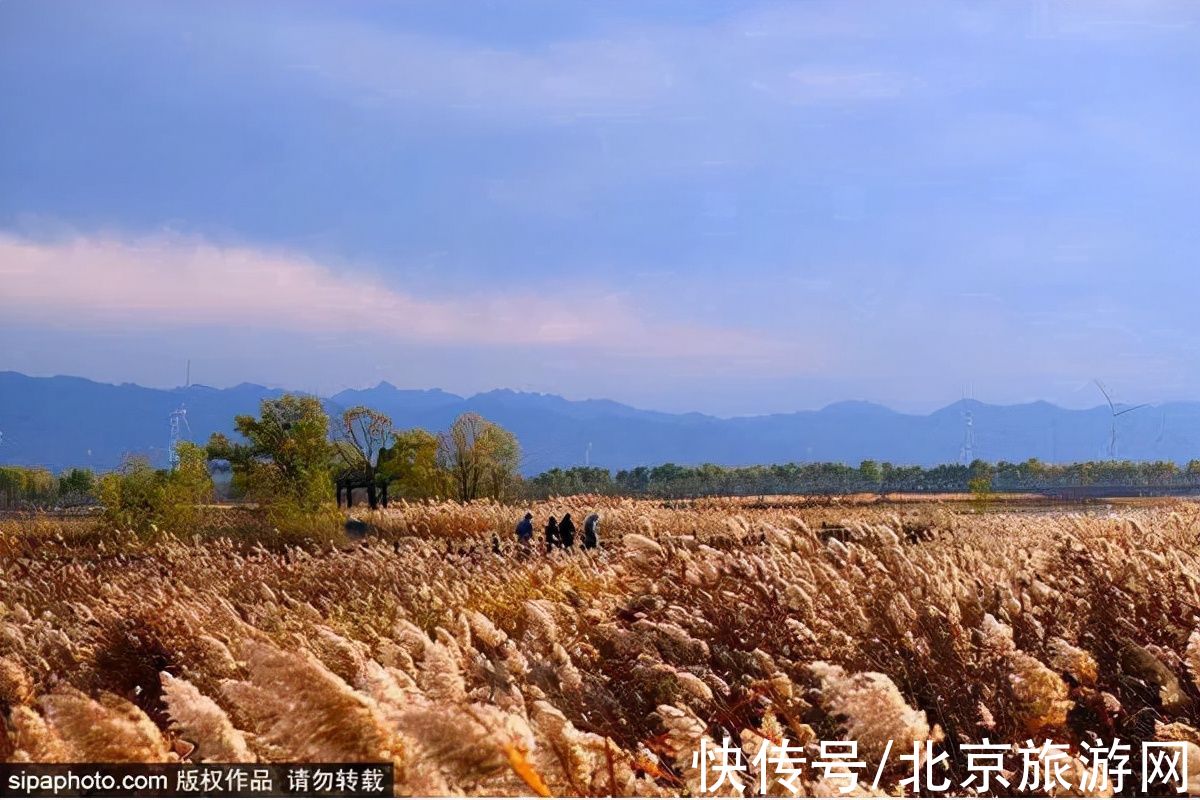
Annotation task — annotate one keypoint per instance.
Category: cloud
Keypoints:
(378, 66)
(626, 71)
(1115, 19)
(170, 281)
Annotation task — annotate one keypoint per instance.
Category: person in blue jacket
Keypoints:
(525, 529)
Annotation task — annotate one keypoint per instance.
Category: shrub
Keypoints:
(140, 498)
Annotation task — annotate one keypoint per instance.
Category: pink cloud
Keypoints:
(171, 281)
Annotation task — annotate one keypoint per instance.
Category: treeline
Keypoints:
(36, 487)
(296, 462)
(289, 459)
(676, 481)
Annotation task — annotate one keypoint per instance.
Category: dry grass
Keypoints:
(595, 674)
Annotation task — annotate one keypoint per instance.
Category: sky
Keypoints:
(733, 208)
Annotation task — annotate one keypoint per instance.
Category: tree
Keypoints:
(363, 437)
(76, 485)
(1160, 473)
(557, 482)
(870, 473)
(10, 484)
(189, 485)
(502, 460)
(980, 469)
(27, 485)
(459, 454)
(633, 481)
(480, 456)
(132, 495)
(411, 463)
(140, 498)
(980, 487)
(286, 456)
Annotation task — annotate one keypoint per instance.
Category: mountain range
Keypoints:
(61, 422)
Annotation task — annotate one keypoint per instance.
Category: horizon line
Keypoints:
(384, 383)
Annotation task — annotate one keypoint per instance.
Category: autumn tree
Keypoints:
(412, 465)
(286, 455)
(33, 485)
(480, 456)
(364, 436)
(501, 462)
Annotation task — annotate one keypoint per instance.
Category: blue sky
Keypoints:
(732, 208)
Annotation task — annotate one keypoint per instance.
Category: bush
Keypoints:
(981, 491)
(140, 498)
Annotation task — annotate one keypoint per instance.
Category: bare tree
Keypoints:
(459, 455)
(363, 436)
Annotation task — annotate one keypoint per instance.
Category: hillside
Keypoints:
(64, 421)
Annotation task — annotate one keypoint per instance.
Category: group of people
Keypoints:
(561, 533)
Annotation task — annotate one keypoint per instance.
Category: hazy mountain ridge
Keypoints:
(66, 421)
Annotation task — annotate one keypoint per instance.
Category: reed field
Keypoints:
(598, 672)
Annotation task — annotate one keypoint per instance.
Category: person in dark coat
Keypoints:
(525, 529)
(566, 532)
(356, 528)
(552, 540)
(591, 531)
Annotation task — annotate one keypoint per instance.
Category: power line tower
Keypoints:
(178, 419)
(966, 453)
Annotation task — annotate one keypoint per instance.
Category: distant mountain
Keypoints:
(62, 421)
(399, 402)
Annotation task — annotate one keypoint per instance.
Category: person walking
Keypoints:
(566, 532)
(525, 530)
(591, 531)
(552, 540)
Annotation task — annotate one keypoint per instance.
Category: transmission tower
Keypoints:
(178, 420)
(967, 453)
